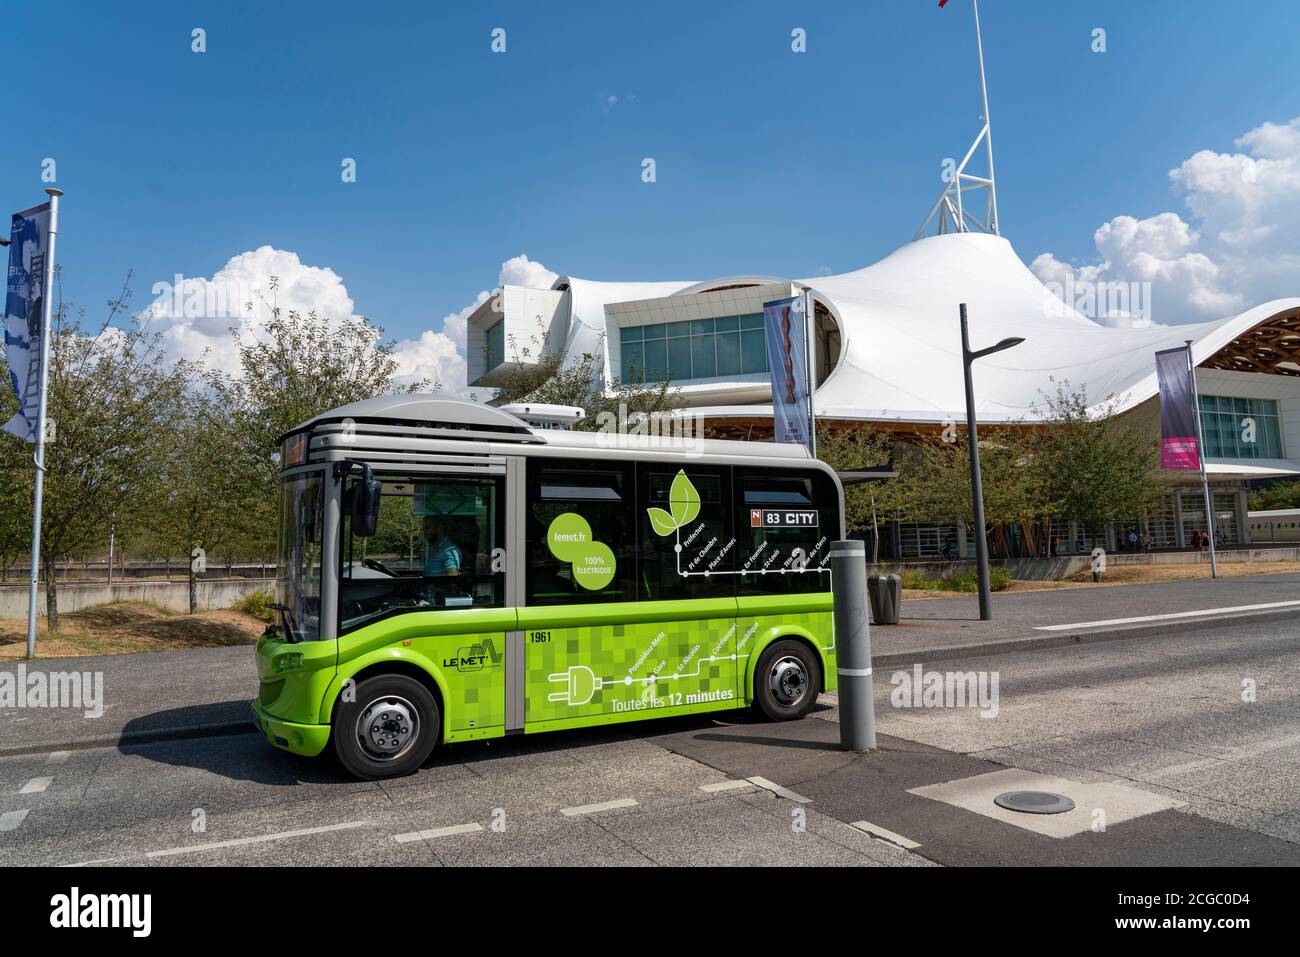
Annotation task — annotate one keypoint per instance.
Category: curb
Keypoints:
(1061, 639)
(132, 738)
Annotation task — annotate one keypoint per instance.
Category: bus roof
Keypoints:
(432, 411)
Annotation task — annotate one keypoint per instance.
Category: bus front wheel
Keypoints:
(388, 729)
(787, 680)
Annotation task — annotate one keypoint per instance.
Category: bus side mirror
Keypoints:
(365, 504)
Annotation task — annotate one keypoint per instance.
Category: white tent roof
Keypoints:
(900, 357)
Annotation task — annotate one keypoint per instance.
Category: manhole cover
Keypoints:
(1034, 802)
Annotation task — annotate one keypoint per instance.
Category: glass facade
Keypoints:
(1240, 428)
(693, 349)
(496, 344)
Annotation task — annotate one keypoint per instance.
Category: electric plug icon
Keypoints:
(580, 685)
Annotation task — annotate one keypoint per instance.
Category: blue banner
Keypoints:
(787, 360)
(24, 312)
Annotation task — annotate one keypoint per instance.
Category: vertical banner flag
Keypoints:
(787, 361)
(1178, 446)
(24, 310)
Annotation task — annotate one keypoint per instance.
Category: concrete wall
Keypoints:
(74, 596)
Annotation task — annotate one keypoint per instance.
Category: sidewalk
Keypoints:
(937, 628)
(188, 694)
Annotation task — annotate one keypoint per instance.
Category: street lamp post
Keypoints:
(972, 442)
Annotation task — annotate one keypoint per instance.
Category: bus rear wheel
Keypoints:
(787, 680)
(388, 730)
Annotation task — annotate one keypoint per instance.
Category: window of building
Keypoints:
(580, 532)
(1236, 428)
(924, 540)
(496, 343)
(693, 349)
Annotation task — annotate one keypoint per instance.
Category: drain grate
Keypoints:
(1034, 802)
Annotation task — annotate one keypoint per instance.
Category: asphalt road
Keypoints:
(1195, 774)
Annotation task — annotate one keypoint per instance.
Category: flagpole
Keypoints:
(810, 331)
(47, 309)
(1200, 457)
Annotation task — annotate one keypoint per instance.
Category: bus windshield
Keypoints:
(298, 566)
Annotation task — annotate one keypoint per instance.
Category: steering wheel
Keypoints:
(378, 566)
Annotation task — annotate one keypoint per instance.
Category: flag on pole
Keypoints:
(1178, 446)
(787, 360)
(24, 312)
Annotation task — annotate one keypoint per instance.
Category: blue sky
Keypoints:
(767, 161)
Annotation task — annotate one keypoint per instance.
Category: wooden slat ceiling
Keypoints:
(1272, 347)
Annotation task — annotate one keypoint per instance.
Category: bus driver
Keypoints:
(441, 554)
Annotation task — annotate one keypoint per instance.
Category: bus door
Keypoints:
(614, 627)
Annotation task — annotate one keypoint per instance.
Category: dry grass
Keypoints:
(1129, 575)
(127, 627)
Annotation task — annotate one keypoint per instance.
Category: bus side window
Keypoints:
(786, 520)
(580, 531)
(689, 507)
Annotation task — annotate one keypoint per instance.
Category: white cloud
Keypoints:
(440, 356)
(195, 316)
(1239, 247)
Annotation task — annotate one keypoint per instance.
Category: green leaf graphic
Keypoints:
(661, 521)
(684, 499)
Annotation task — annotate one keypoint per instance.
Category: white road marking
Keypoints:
(726, 786)
(243, 841)
(597, 808)
(11, 819)
(437, 832)
(780, 791)
(36, 786)
(1167, 617)
(58, 757)
(884, 834)
(1234, 754)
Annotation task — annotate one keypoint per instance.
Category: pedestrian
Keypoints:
(1132, 541)
(1196, 541)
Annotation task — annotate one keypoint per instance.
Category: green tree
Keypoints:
(206, 495)
(296, 367)
(113, 401)
(537, 373)
(1097, 465)
(852, 449)
(1277, 496)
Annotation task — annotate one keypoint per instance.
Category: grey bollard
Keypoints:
(853, 646)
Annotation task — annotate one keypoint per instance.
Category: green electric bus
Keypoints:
(448, 573)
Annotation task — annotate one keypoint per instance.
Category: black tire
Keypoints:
(787, 680)
(404, 725)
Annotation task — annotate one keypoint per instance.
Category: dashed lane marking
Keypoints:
(884, 834)
(57, 758)
(244, 841)
(726, 786)
(780, 791)
(597, 808)
(437, 832)
(36, 786)
(9, 820)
